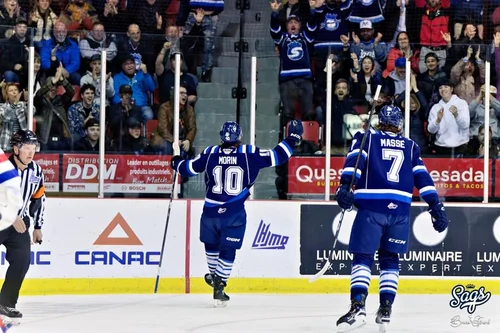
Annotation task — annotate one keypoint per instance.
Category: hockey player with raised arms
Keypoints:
(389, 167)
(230, 171)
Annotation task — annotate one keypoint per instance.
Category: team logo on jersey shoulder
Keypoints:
(330, 23)
(295, 52)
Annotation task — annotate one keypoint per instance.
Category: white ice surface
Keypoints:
(245, 313)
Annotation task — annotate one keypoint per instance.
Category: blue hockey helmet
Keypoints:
(230, 132)
(391, 115)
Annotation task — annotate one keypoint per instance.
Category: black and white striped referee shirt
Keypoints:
(33, 192)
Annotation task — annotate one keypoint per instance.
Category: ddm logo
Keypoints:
(468, 297)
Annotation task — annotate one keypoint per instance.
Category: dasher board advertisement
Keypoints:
(461, 177)
(469, 247)
(122, 174)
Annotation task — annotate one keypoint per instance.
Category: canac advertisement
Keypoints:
(453, 177)
(470, 246)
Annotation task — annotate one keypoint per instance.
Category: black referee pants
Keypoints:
(19, 256)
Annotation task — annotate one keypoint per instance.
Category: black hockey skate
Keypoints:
(383, 316)
(10, 312)
(209, 279)
(355, 318)
(10, 316)
(220, 297)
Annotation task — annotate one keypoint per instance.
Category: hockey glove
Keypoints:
(439, 217)
(174, 162)
(295, 129)
(345, 197)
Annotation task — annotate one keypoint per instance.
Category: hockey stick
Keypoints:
(326, 266)
(174, 182)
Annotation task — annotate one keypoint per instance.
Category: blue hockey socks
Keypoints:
(361, 274)
(212, 253)
(225, 263)
(389, 276)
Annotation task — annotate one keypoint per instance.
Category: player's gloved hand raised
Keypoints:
(295, 129)
(439, 217)
(345, 197)
(174, 162)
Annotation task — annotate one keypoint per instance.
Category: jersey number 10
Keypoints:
(397, 157)
(230, 182)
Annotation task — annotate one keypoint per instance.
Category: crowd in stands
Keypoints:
(141, 39)
(446, 43)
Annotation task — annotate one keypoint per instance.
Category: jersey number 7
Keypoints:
(397, 157)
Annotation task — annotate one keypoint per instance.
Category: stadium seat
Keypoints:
(76, 97)
(151, 127)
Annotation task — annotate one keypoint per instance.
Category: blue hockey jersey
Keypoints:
(294, 48)
(370, 10)
(389, 168)
(230, 172)
(332, 24)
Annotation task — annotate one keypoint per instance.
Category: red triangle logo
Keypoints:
(118, 220)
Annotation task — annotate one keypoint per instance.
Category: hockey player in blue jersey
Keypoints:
(230, 170)
(389, 167)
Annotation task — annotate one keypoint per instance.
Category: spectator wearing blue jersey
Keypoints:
(333, 27)
(295, 75)
(60, 49)
(389, 168)
(231, 169)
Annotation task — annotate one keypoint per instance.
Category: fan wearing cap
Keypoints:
(449, 119)
(93, 77)
(371, 11)
(9, 13)
(118, 114)
(366, 44)
(132, 141)
(141, 82)
(395, 83)
(90, 142)
(14, 55)
(477, 111)
(295, 75)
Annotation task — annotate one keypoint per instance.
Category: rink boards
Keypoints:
(99, 246)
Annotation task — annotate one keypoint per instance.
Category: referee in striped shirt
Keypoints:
(17, 238)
